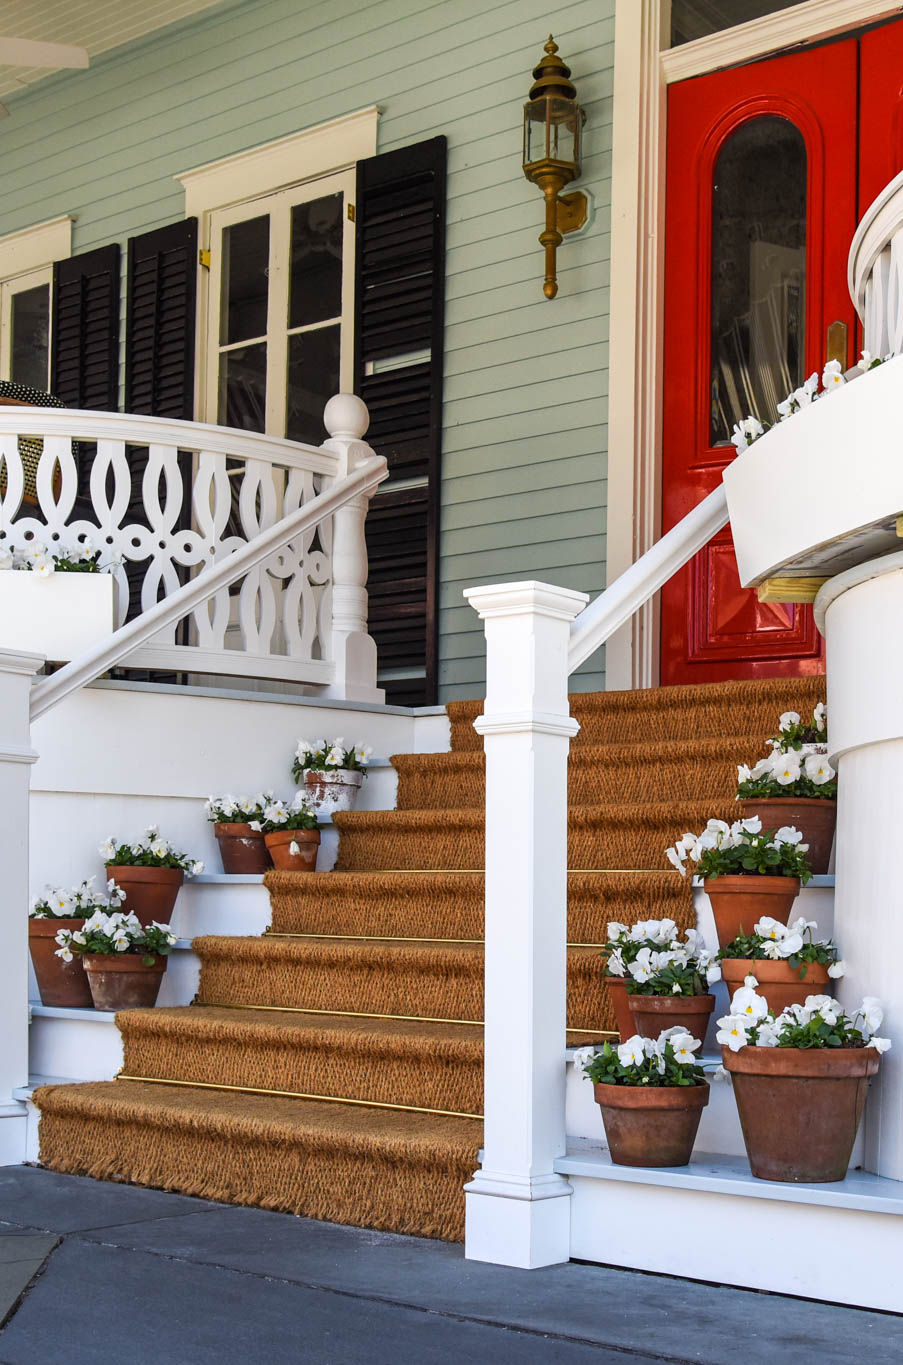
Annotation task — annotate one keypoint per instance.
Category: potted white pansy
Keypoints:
(54, 601)
(330, 773)
(625, 942)
(238, 827)
(748, 872)
(292, 834)
(651, 1092)
(800, 1079)
(63, 983)
(668, 987)
(124, 960)
(785, 962)
(150, 872)
(795, 784)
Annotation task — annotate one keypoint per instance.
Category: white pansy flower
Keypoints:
(159, 848)
(820, 716)
(763, 766)
(107, 849)
(748, 1004)
(837, 970)
(196, 869)
(583, 1056)
(732, 1032)
(788, 719)
(786, 768)
(879, 1044)
(744, 773)
(675, 860)
(336, 757)
(65, 954)
(745, 432)
(294, 848)
(363, 753)
(872, 1012)
(683, 1046)
(6, 559)
(818, 769)
(766, 1034)
(788, 834)
(632, 1053)
(750, 981)
(616, 965)
(832, 375)
(793, 943)
(865, 361)
(767, 927)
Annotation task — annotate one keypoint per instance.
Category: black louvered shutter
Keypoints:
(160, 321)
(85, 351)
(399, 315)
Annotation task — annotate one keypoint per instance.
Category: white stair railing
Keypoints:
(518, 1207)
(164, 500)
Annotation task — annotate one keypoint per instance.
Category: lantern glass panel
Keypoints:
(535, 141)
(564, 131)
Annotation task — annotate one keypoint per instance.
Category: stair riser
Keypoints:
(449, 1079)
(452, 991)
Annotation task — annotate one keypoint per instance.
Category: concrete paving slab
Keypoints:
(36, 1198)
(20, 1260)
(193, 1315)
(617, 1308)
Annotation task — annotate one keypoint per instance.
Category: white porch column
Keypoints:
(16, 756)
(861, 612)
(353, 649)
(518, 1209)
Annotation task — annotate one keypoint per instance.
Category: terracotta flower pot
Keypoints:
(305, 860)
(150, 892)
(241, 848)
(328, 792)
(121, 981)
(651, 1125)
(617, 994)
(59, 982)
(652, 1013)
(781, 984)
(740, 900)
(810, 814)
(800, 1108)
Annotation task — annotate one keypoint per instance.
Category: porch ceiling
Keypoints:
(97, 25)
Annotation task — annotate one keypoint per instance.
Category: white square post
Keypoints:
(16, 756)
(518, 1208)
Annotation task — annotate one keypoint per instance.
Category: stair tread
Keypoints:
(592, 752)
(291, 1029)
(474, 817)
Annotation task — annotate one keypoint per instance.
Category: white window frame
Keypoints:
(307, 157)
(644, 67)
(26, 262)
(278, 208)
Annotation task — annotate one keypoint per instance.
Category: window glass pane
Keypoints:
(695, 18)
(316, 265)
(758, 272)
(243, 387)
(246, 260)
(313, 377)
(30, 337)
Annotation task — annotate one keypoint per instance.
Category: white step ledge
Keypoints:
(40, 1011)
(716, 1174)
(25, 1092)
(819, 880)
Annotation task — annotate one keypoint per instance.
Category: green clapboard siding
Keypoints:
(524, 460)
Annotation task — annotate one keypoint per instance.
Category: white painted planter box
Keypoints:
(59, 617)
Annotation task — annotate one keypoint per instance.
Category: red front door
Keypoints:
(762, 202)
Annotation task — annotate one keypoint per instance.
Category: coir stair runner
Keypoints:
(333, 1066)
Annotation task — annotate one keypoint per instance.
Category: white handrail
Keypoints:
(618, 603)
(128, 638)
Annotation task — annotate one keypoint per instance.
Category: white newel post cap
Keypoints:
(346, 417)
(527, 636)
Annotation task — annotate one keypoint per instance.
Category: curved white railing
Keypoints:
(163, 501)
(875, 271)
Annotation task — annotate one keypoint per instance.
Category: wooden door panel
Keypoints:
(880, 110)
(712, 629)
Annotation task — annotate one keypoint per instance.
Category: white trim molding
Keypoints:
(644, 67)
(290, 160)
(33, 247)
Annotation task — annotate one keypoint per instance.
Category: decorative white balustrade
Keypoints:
(875, 271)
(163, 500)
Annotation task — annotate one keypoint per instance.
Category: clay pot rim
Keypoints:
(787, 800)
(744, 882)
(320, 774)
(45, 927)
(228, 828)
(777, 972)
(820, 1063)
(651, 1096)
(138, 873)
(301, 836)
(121, 962)
(688, 1004)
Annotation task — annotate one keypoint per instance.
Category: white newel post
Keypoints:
(861, 611)
(16, 757)
(346, 419)
(518, 1208)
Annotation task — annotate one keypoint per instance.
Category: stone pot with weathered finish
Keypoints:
(651, 1125)
(781, 984)
(241, 848)
(617, 994)
(123, 981)
(653, 1013)
(800, 1108)
(813, 817)
(306, 843)
(739, 900)
(150, 892)
(59, 983)
(331, 791)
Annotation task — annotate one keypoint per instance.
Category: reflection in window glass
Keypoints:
(30, 339)
(246, 259)
(758, 272)
(313, 377)
(243, 388)
(696, 18)
(316, 262)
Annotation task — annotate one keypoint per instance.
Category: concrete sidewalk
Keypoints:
(100, 1274)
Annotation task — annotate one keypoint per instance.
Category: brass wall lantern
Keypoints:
(553, 121)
